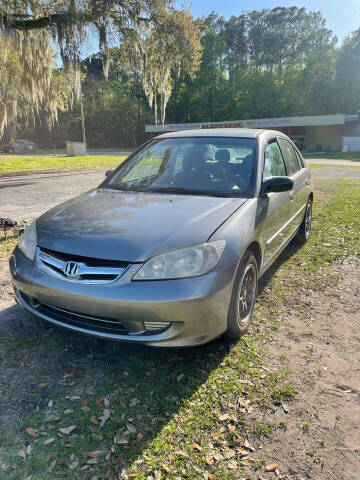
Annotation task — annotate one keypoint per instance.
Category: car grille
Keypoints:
(92, 323)
(81, 320)
(79, 269)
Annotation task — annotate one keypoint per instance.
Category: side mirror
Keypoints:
(277, 184)
(108, 173)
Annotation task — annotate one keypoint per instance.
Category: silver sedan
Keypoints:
(168, 250)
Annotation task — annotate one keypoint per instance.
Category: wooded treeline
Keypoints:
(269, 63)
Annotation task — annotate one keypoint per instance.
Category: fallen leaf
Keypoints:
(232, 464)
(105, 417)
(223, 417)
(180, 377)
(49, 440)
(73, 465)
(230, 453)
(43, 384)
(94, 420)
(84, 402)
(22, 452)
(121, 440)
(31, 431)
(51, 403)
(67, 430)
(196, 446)
(94, 454)
(28, 449)
(271, 468)
(131, 428)
(231, 428)
(107, 474)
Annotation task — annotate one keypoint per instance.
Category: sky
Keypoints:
(342, 16)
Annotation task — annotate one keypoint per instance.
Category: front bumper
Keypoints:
(195, 307)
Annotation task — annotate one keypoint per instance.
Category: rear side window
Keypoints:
(274, 163)
(300, 159)
(291, 161)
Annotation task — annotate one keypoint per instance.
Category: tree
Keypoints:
(27, 27)
(29, 81)
(347, 78)
(165, 54)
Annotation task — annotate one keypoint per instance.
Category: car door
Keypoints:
(299, 175)
(276, 207)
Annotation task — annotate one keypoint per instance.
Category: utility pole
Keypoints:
(82, 119)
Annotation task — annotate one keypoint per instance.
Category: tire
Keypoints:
(305, 227)
(241, 309)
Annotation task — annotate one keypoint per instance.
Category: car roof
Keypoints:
(221, 132)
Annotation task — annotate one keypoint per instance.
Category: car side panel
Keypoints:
(252, 222)
(275, 211)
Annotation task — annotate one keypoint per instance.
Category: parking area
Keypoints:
(23, 197)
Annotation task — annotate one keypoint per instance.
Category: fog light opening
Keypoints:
(154, 326)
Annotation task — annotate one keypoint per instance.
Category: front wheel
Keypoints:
(243, 297)
(305, 227)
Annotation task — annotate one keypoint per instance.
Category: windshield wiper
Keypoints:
(186, 191)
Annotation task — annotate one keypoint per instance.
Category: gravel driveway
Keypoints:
(23, 197)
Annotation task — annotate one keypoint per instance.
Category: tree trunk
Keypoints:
(82, 120)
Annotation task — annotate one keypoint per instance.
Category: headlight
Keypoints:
(27, 242)
(183, 262)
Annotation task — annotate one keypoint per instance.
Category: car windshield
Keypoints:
(221, 166)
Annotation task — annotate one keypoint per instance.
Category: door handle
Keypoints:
(307, 181)
(291, 196)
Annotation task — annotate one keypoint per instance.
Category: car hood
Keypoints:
(131, 226)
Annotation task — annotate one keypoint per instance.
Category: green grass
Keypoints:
(322, 165)
(353, 156)
(10, 164)
(196, 412)
(6, 246)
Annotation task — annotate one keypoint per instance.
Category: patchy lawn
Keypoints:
(324, 165)
(40, 163)
(354, 156)
(79, 408)
(6, 246)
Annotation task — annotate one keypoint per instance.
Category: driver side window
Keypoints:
(274, 163)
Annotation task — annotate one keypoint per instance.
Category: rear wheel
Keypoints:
(243, 297)
(305, 227)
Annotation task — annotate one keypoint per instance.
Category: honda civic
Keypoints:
(169, 249)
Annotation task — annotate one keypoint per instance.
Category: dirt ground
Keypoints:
(320, 344)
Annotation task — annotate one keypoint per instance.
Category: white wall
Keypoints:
(351, 144)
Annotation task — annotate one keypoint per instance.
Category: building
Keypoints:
(20, 146)
(322, 133)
